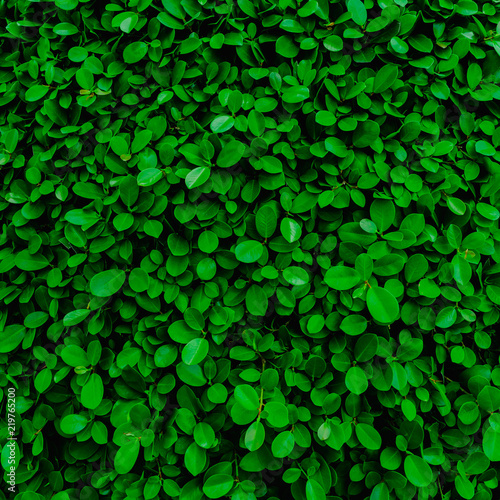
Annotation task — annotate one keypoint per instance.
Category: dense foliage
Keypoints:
(250, 249)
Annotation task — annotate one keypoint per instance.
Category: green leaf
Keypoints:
(85, 78)
(72, 424)
(368, 436)
(36, 92)
(356, 381)
(10, 337)
(43, 380)
(170, 21)
(65, 29)
(491, 444)
(364, 266)
(368, 226)
(474, 75)
(195, 351)
(138, 280)
(254, 436)
(476, 463)
(28, 262)
(283, 444)
(466, 8)
(134, 52)
(218, 485)
(75, 317)
(325, 118)
(206, 269)
(446, 317)
(123, 221)
(421, 43)
(165, 356)
(174, 8)
(256, 123)
(92, 392)
(266, 221)
(11, 139)
(191, 374)
(194, 319)
(358, 11)
(249, 251)
(189, 45)
(314, 490)
(296, 275)
(119, 145)
(454, 236)
(295, 94)
(153, 228)
(195, 459)
(333, 43)
(464, 487)
(366, 347)
(382, 305)
(197, 177)
(36, 319)
(77, 54)
(485, 148)
(366, 134)
(81, 217)
(129, 190)
(382, 213)
(208, 241)
(418, 471)
(468, 413)
(315, 323)
(177, 245)
(489, 399)
(290, 229)
(409, 409)
(336, 146)
(415, 268)
(141, 140)
(390, 458)
(286, 48)
(74, 355)
(385, 78)
(246, 396)
(399, 46)
(66, 5)
(277, 414)
(354, 324)
(462, 271)
(10, 457)
(204, 435)
(342, 278)
(127, 21)
(149, 176)
(388, 265)
(231, 154)
(107, 283)
(256, 300)
(217, 393)
(487, 211)
(440, 90)
(222, 124)
(410, 349)
(127, 456)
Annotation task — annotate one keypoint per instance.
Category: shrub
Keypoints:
(249, 249)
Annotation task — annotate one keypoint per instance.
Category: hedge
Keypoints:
(250, 250)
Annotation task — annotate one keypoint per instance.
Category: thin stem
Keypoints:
(261, 403)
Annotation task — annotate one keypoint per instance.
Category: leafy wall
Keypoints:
(250, 249)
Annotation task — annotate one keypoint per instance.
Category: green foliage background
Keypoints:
(250, 249)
